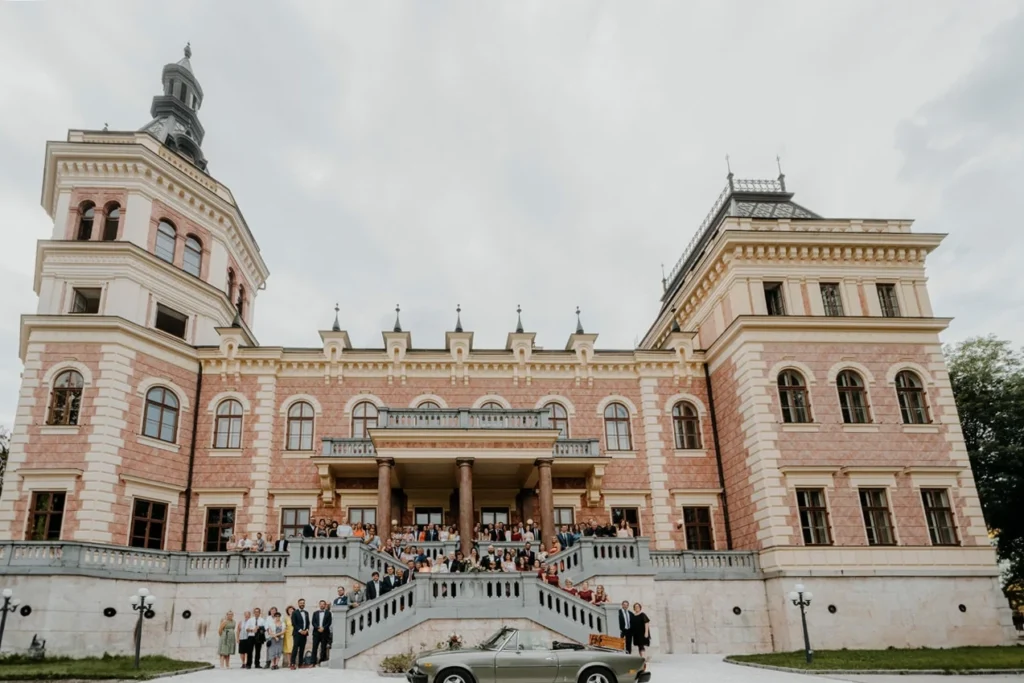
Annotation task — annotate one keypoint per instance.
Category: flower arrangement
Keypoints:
(455, 642)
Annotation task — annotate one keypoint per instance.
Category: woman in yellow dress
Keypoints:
(288, 642)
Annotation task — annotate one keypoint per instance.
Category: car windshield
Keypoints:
(495, 641)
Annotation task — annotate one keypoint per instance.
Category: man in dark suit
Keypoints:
(300, 631)
(625, 621)
(528, 553)
(281, 545)
(321, 633)
(308, 530)
(374, 587)
(564, 537)
(390, 581)
(431, 534)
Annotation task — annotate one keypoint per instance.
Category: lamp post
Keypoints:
(802, 599)
(142, 602)
(10, 604)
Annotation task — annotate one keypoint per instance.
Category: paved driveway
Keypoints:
(667, 669)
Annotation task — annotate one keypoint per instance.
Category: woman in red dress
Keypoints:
(584, 592)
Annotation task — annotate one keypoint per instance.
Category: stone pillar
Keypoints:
(384, 466)
(547, 501)
(465, 505)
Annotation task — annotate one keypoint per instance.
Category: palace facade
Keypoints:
(789, 404)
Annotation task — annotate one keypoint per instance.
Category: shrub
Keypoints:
(397, 664)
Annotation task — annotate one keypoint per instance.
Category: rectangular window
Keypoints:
(494, 515)
(565, 516)
(874, 504)
(631, 517)
(148, 521)
(170, 321)
(697, 523)
(220, 527)
(293, 520)
(425, 516)
(813, 516)
(773, 298)
(831, 299)
(940, 516)
(887, 300)
(364, 515)
(86, 300)
(47, 515)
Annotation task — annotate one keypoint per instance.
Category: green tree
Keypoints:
(988, 383)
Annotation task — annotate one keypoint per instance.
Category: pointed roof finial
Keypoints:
(675, 321)
(729, 167)
(664, 281)
(579, 323)
(458, 317)
(336, 327)
(782, 176)
(519, 319)
(398, 323)
(105, 126)
(188, 50)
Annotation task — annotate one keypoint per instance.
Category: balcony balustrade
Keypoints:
(461, 418)
(363, 448)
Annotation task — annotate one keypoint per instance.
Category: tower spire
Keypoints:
(579, 323)
(519, 319)
(336, 327)
(458, 317)
(175, 110)
(398, 323)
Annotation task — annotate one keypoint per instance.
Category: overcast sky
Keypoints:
(536, 153)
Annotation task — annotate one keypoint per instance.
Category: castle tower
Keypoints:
(148, 258)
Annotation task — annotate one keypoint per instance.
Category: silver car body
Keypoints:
(528, 656)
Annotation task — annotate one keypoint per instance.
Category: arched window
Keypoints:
(616, 427)
(910, 392)
(853, 399)
(685, 426)
(231, 283)
(166, 236)
(492, 405)
(66, 399)
(228, 427)
(559, 419)
(793, 397)
(240, 304)
(364, 417)
(429, 405)
(110, 222)
(193, 263)
(161, 414)
(300, 427)
(86, 216)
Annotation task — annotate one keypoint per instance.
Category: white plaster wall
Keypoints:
(882, 612)
(136, 219)
(218, 265)
(696, 617)
(60, 215)
(427, 635)
(122, 299)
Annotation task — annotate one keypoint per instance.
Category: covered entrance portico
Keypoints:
(475, 461)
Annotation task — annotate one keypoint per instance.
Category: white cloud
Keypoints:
(548, 154)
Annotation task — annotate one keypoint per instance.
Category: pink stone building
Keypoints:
(790, 399)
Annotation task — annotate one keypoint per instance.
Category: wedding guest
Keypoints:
(556, 547)
(261, 543)
(371, 538)
(341, 600)
(522, 565)
(275, 640)
(600, 597)
(289, 639)
(269, 619)
(345, 530)
(333, 532)
(226, 644)
(584, 592)
(552, 576)
(321, 633)
(508, 562)
(390, 581)
(357, 596)
(358, 531)
(242, 638)
(256, 627)
(641, 628)
(626, 625)
(474, 559)
(308, 530)
(300, 631)
(624, 531)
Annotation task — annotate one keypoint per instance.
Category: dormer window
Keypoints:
(85, 220)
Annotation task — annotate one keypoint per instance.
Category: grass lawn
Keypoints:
(953, 659)
(19, 668)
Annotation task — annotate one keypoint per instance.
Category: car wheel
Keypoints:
(453, 676)
(599, 675)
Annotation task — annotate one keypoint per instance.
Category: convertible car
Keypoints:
(513, 655)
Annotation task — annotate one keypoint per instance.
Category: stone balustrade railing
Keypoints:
(363, 448)
(462, 418)
(351, 557)
(483, 595)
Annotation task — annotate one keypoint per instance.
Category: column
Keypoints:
(465, 504)
(547, 501)
(384, 466)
